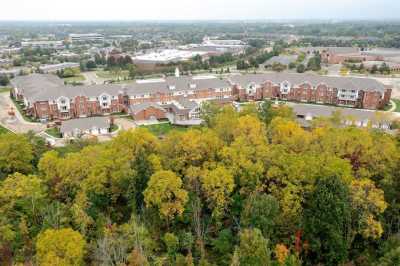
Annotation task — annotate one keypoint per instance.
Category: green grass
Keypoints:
(113, 128)
(112, 75)
(163, 129)
(53, 131)
(75, 79)
(397, 101)
(5, 89)
(4, 130)
(20, 106)
(387, 106)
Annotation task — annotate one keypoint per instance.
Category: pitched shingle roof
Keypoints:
(134, 109)
(43, 87)
(298, 79)
(84, 124)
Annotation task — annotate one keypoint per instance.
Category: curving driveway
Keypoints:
(19, 125)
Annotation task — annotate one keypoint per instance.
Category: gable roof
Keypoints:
(134, 109)
(44, 87)
(84, 124)
(367, 84)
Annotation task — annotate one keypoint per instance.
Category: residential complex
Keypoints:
(345, 91)
(46, 97)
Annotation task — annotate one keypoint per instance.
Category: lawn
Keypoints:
(53, 131)
(76, 79)
(20, 106)
(4, 130)
(163, 129)
(397, 101)
(112, 75)
(5, 89)
(113, 128)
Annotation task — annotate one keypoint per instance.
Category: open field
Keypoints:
(163, 129)
(112, 75)
(79, 78)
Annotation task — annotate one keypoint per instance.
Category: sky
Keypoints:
(197, 9)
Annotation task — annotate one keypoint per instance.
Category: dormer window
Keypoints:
(171, 87)
(193, 86)
(285, 87)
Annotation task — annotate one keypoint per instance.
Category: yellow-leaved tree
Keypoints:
(164, 191)
(218, 184)
(62, 247)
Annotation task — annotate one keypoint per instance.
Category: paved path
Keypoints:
(394, 106)
(91, 78)
(124, 123)
(19, 125)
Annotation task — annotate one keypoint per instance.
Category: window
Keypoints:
(104, 98)
(62, 101)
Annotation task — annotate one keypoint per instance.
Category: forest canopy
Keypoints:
(247, 188)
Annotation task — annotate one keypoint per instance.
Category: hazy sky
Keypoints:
(197, 9)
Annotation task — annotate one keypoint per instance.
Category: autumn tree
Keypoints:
(165, 192)
(64, 247)
(16, 154)
(218, 184)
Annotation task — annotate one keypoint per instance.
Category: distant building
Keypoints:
(207, 41)
(43, 44)
(57, 67)
(86, 37)
(166, 56)
(394, 67)
(339, 55)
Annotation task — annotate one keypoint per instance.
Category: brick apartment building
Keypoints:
(354, 92)
(46, 97)
(340, 55)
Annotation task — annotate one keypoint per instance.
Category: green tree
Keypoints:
(253, 248)
(301, 68)
(327, 221)
(260, 211)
